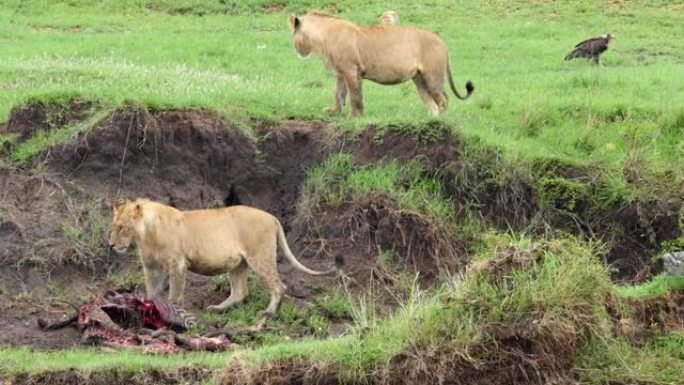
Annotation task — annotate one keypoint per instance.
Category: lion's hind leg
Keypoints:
(276, 288)
(423, 91)
(238, 287)
(434, 86)
(266, 270)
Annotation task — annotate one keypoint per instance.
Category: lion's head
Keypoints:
(389, 18)
(302, 42)
(126, 224)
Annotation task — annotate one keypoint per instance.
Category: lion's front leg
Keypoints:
(177, 273)
(155, 280)
(340, 97)
(353, 81)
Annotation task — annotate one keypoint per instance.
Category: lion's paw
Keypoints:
(332, 110)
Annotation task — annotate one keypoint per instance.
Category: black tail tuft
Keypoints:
(470, 87)
(232, 199)
(339, 261)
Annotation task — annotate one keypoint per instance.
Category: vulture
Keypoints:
(591, 48)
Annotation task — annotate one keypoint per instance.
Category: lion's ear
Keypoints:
(294, 22)
(137, 211)
(120, 202)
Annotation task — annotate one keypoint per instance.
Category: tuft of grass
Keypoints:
(86, 229)
(549, 280)
(23, 296)
(131, 279)
(659, 361)
(339, 179)
(334, 304)
(385, 257)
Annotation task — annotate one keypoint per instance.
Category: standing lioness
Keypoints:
(207, 242)
(385, 54)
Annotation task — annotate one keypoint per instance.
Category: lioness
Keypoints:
(385, 54)
(207, 242)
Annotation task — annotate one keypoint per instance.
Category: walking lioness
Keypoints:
(208, 242)
(385, 54)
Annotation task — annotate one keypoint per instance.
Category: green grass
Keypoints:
(239, 59)
(549, 289)
(312, 320)
(560, 282)
(657, 286)
(24, 360)
(659, 361)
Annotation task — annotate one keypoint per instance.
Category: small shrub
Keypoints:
(334, 305)
(318, 324)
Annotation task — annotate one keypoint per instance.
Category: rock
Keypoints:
(674, 263)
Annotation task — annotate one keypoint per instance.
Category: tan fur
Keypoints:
(389, 18)
(208, 242)
(385, 54)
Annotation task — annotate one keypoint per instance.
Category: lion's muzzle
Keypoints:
(117, 245)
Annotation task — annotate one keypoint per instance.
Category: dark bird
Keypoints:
(591, 48)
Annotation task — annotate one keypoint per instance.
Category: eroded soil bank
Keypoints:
(55, 209)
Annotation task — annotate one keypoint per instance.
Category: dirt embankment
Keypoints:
(530, 348)
(54, 212)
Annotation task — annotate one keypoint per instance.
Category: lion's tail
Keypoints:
(286, 250)
(469, 85)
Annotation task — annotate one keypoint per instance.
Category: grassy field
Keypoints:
(625, 120)
(237, 58)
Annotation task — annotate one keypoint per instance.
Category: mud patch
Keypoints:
(299, 371)
(33, 210)
(188, 375)
(191, 159)
(646, 225)
(28, 119)
(510, 354)
(642, 318)
(376, 225)
(438, 148)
